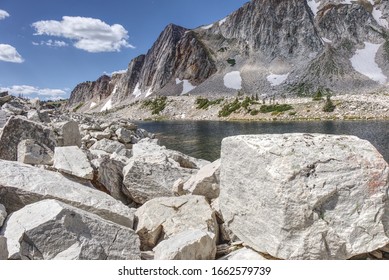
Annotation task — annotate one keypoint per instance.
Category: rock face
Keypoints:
(153, 170)
(21, 185)
(3, 214)
(73, 161)
(3, 248)
(188, 245)
(53, 230)
(32, 152)
(303, 196)
(18, 129)
(164, 217)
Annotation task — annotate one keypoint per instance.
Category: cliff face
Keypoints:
(266, 47)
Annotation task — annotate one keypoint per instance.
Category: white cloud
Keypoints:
(51, 43)
(3, 14)
(116, 72)
(31, 90)
(89, 34)
(10, 54)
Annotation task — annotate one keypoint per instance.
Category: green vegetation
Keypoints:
(329, 106)
(224, 49)
(231, 61)
(205, 103)
(320, 93)
(75, 109)
(236, 105)
(277, 108)
(156, 105)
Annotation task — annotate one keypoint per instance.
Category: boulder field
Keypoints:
(74, 187)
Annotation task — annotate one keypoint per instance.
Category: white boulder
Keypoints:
(33, 152)
(305, 196)
(72, 160)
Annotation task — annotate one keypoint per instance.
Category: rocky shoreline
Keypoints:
(78, 187)
(347, 107)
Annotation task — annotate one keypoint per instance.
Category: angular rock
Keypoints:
(73, 161)
(164, 217)
(22, 184)
(153, 171)
(32, 152)
(110, 175)
(303, 196)
(205, 182)
(3, 214)
(18, 129)
(101, 135)
(3, 248)
(125, 136)
(188, 245)
(244, 254)
(51, 229)
(108, 146)
(3, 118)
(69, 134)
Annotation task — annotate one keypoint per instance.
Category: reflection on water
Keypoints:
(202, 139)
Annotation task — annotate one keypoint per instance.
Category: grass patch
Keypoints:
(156, 105)
(329, 106)
(231, 62)
(236, 105)
(277, 108)
(75, 109)
(205, 103)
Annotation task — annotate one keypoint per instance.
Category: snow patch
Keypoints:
(276, 80)
(187, 87)
(178, 81)
(326, 40)
(92, 105)
(137, 92)
(377, 14)
(221, 22)
(107, 106)
(149, 92)
(233, 80)
(115, 89)
(314, 6)
(207, 26)
(364, 62)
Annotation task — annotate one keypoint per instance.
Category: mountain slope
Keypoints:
(267, 47)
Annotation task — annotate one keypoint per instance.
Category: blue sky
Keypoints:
(47, 47)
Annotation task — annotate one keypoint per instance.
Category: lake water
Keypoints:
(202, 139)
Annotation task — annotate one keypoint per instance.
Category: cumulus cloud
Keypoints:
(10, 54)
(89, 34)
(3, 14)
(31, 90)
(51, 43)
(116, 72)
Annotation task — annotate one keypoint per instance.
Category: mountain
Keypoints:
(267, 47)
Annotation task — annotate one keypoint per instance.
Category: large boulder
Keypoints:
(3, 214)
(305, 196)
(188, 245)
(17, 129)
(109, 146)
(153, 170)
(32, 152)
(163, 217)
(205, 182)
(72, 160)
(54, 230)
(69, 134)
(22, 184)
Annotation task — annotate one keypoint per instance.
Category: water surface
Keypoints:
(202, 139)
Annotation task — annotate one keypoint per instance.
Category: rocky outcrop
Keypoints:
(18, 129)
(303, 196)
(21, 185)
(161, 218)
(50, 229)
(188, 245)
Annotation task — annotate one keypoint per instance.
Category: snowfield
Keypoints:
(276, 80)
(314, 6)
(233, 80)
(107, 106)
(364, 62)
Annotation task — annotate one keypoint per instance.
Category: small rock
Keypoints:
(188, 245)
(108, 146)
(3, 214)
(124, 135)
(3, 248)
(244, 254)
(73, 161)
